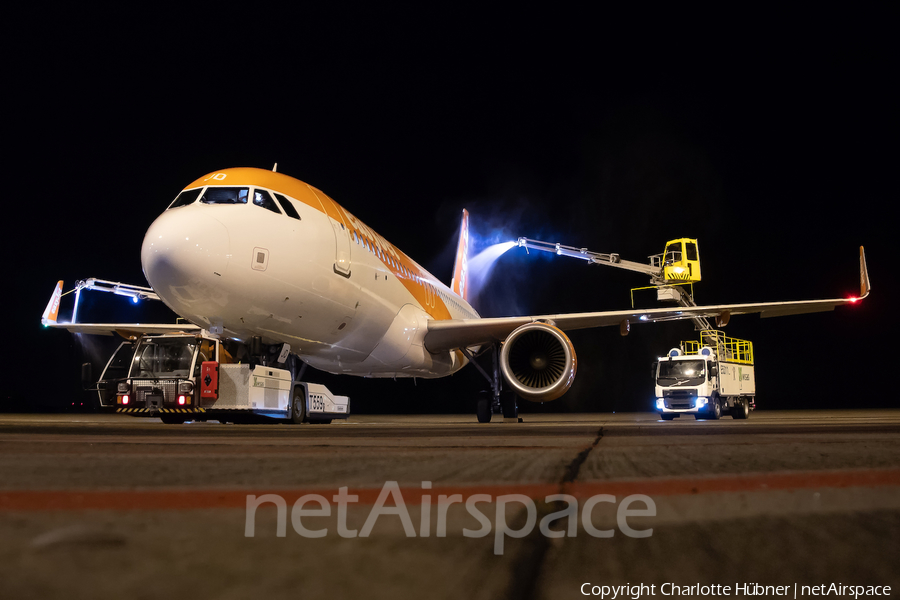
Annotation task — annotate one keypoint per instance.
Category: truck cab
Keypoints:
(706, 379)
(164, 372)
(685, 384)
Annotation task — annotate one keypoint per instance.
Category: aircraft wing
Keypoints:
(452, 334)
(126, 330)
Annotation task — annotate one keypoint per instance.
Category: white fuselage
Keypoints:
(343, 298)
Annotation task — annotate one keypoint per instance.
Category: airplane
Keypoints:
(266, 261)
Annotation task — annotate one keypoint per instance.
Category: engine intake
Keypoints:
(538, 362)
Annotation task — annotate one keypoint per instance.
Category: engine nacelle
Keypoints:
(538, 362)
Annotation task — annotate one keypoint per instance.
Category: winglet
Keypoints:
(864, 286)
(52, 310)
(459, 285)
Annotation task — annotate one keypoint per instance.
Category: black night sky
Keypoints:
(770, 138)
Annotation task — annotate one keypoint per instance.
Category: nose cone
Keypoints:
(184, 257)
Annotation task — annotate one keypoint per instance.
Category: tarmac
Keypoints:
(112, 506)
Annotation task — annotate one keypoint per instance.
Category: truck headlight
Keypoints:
(660, 403)
(186, 387)
(122, 387)
(700, 402)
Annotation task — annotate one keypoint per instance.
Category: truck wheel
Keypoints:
(483, 409)
(666, 417)
(715, 409)
(172, 419)
(741, 409)
(298, 406)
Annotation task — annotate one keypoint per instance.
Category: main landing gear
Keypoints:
(495, 400)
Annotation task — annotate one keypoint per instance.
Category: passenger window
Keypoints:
(186, 197)
(225, 195)
(264, 199)
(289, 209)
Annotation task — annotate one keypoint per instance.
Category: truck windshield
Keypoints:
(163, 357)
(117, 367)
(681, 372)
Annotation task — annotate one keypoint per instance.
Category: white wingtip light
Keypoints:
(52, 310)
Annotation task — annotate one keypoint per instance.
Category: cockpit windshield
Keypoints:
(264, 199)
(681, 372)
(225, 195)
(186, 197)
(163, 358)
(287, 206)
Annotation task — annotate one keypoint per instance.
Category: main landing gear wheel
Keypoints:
(298, 406)
(508, 405)
(491, 400)
(483, 409)
(741, 409)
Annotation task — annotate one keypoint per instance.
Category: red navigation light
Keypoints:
(181, 400)
(124, 399)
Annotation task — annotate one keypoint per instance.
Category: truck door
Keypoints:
(116, 370)
(692, 259)
(206, 350)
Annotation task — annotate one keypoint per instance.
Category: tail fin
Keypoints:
(52, 310)
(460, 283)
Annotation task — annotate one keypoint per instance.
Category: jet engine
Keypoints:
(538, 362)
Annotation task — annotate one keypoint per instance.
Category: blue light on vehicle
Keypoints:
(134, 299)
(660, 403)
(700, 402)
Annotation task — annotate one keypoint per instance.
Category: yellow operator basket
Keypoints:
(681, 261)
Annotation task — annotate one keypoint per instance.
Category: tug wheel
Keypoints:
(298, 406)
